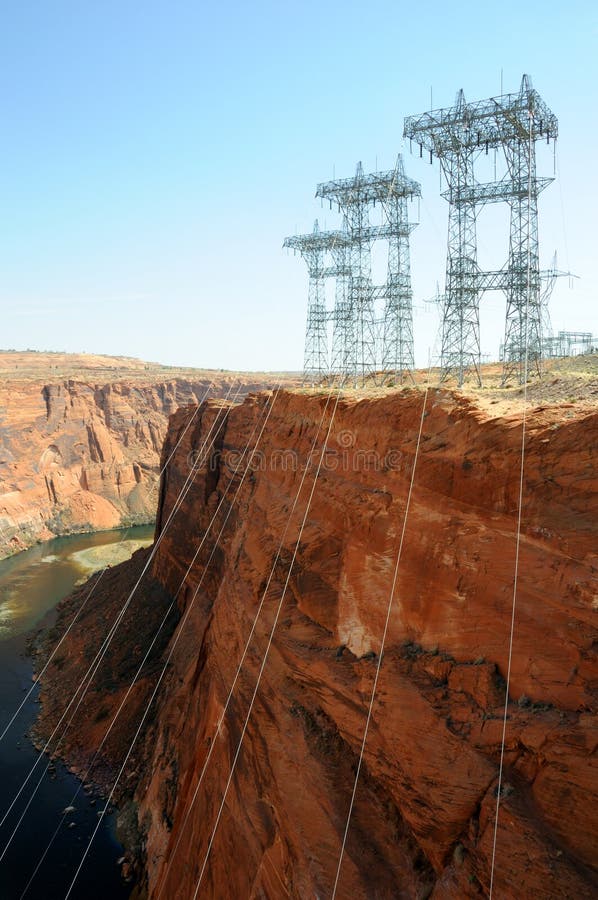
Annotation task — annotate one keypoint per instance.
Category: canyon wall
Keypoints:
(80, 440)
(423, 820)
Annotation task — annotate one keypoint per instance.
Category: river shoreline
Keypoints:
(31, 586)
(23, 547)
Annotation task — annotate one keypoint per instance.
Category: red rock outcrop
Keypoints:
(80, 439)
(423, 820)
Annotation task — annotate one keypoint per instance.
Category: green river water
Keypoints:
(31, 584)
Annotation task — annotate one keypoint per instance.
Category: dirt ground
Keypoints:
(569, 382)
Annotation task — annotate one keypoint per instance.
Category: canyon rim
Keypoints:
(422, 823)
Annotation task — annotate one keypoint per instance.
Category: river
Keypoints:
(31, 584)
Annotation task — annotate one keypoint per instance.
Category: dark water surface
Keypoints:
(31, 584)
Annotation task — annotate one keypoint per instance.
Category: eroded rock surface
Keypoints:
(423, 820)
(80, 439)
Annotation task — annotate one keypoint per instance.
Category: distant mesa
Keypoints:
(82, 437)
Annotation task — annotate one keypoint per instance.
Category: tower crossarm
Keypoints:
(380, 291)
(373, 188)
(500, 279)
(492, 281)
(382, 232)
(495, 191)
(331, 240)
(317, 240)
(484, 123)
(337, 271)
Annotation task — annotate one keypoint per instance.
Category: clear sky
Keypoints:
(155, 154)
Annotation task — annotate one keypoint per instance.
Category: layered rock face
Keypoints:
(422, 824)
(80, 440)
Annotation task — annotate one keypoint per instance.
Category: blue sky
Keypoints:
(155, 155)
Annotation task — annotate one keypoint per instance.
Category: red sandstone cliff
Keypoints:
(80, 439)
(423, 819)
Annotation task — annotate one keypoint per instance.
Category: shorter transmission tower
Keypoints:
(397, 340)
(313, 247)
(355, 198)
(364, 341)
(511, 123)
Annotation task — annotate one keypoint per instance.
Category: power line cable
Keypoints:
(173, 646)
(92, 669)
(383, 641)
(241, 661)
(519, 515)
(267, 650)
(93, 588)
(165, 618)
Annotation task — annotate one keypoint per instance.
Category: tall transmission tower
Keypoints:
(512, 123)
(355, 198)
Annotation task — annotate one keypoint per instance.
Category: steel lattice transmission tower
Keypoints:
(356, 197)
(511, 123)
(350, 195)
(314, 247)
(343, 363)
(362, 342)
(397, 339)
